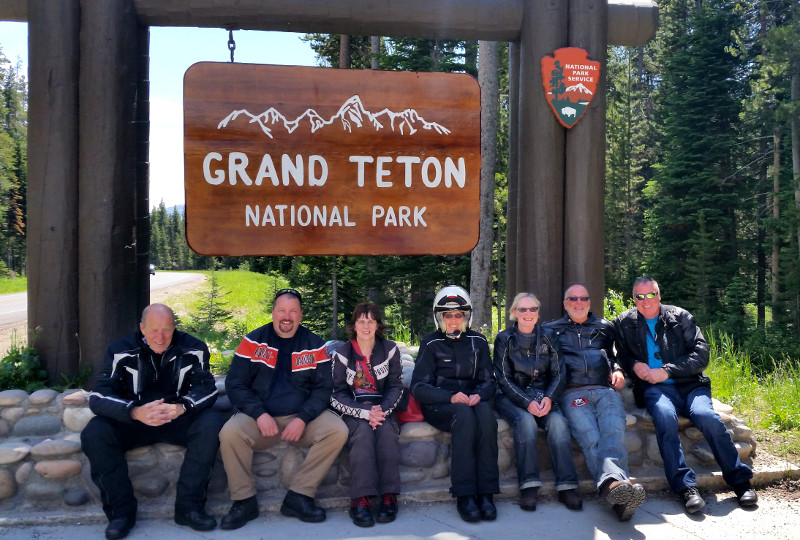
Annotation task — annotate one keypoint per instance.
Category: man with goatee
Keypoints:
(280, 384)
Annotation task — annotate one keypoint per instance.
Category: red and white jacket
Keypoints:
(250, 376)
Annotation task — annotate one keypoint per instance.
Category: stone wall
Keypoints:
(43, 469)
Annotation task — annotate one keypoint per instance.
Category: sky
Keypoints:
(172, 51)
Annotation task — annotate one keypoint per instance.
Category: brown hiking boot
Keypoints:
(570, 499)
(616, 491)
(625, 510)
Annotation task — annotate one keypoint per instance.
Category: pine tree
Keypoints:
(13, 165)
(699, 102)
(327, 49)
(627, 159)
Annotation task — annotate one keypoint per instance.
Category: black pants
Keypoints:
(374, 457)
(105, 442)
(473, 455)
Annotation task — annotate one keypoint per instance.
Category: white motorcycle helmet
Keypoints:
(452, 298)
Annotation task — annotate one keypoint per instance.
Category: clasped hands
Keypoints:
(648, 374)
(157, 413)
(461, 397)
(540, 409)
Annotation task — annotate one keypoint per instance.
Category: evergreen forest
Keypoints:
(702, 179)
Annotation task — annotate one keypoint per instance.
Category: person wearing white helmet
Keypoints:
(454, 383)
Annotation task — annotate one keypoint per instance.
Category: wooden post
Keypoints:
(109, 284)
(52, 243)
(540, 202)
(584, 191)
(512, 223)
(143, 168)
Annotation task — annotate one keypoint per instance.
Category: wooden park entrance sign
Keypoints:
(88, 230)
(316, 161)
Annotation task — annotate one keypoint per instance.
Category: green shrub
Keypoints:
(767, 345)
(398, 330)
(782, 392)
(221, 361)
(615, 304)
(20, 368)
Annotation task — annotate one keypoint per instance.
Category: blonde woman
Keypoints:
(531, 379)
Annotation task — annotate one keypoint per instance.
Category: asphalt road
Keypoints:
(14, 306)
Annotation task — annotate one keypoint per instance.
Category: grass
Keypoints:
(249, 295)
(13, 285)
(768, 402)
(246, 295)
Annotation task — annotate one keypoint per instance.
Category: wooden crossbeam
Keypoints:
(630, 22)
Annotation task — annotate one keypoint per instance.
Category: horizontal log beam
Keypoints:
(630, 22)
(454, 19)
(14, 11)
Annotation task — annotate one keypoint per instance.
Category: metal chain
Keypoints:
(231, 44)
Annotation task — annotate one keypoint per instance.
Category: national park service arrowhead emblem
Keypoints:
(570, 82)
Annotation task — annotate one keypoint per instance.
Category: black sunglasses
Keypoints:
(533, 309)
(293, 292)
(576, 298)
(647, 295)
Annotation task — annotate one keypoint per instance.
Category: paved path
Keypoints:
(660, 517)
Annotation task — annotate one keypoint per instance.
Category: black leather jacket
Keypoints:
(132, 375)
(527, 365)
(684, 350)
(586, 349)
(386, 368)
(447, 366)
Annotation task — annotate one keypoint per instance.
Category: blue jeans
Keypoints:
(665, 403)
(597, 421)
(526, 429)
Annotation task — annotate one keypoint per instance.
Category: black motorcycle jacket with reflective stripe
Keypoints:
(447, 366)
(133, 375)
(586, 349)
(386, 368)
(522, 363)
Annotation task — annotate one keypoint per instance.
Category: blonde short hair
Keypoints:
(515, 303)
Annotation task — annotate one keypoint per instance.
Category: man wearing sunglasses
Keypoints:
(280, 384)
(664, 352)
(594, 410)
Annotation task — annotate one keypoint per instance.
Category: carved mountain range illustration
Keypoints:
(579, 88)
(351, 114)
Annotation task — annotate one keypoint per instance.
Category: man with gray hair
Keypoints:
(155, 386)
(665, 353)
(594, 410)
